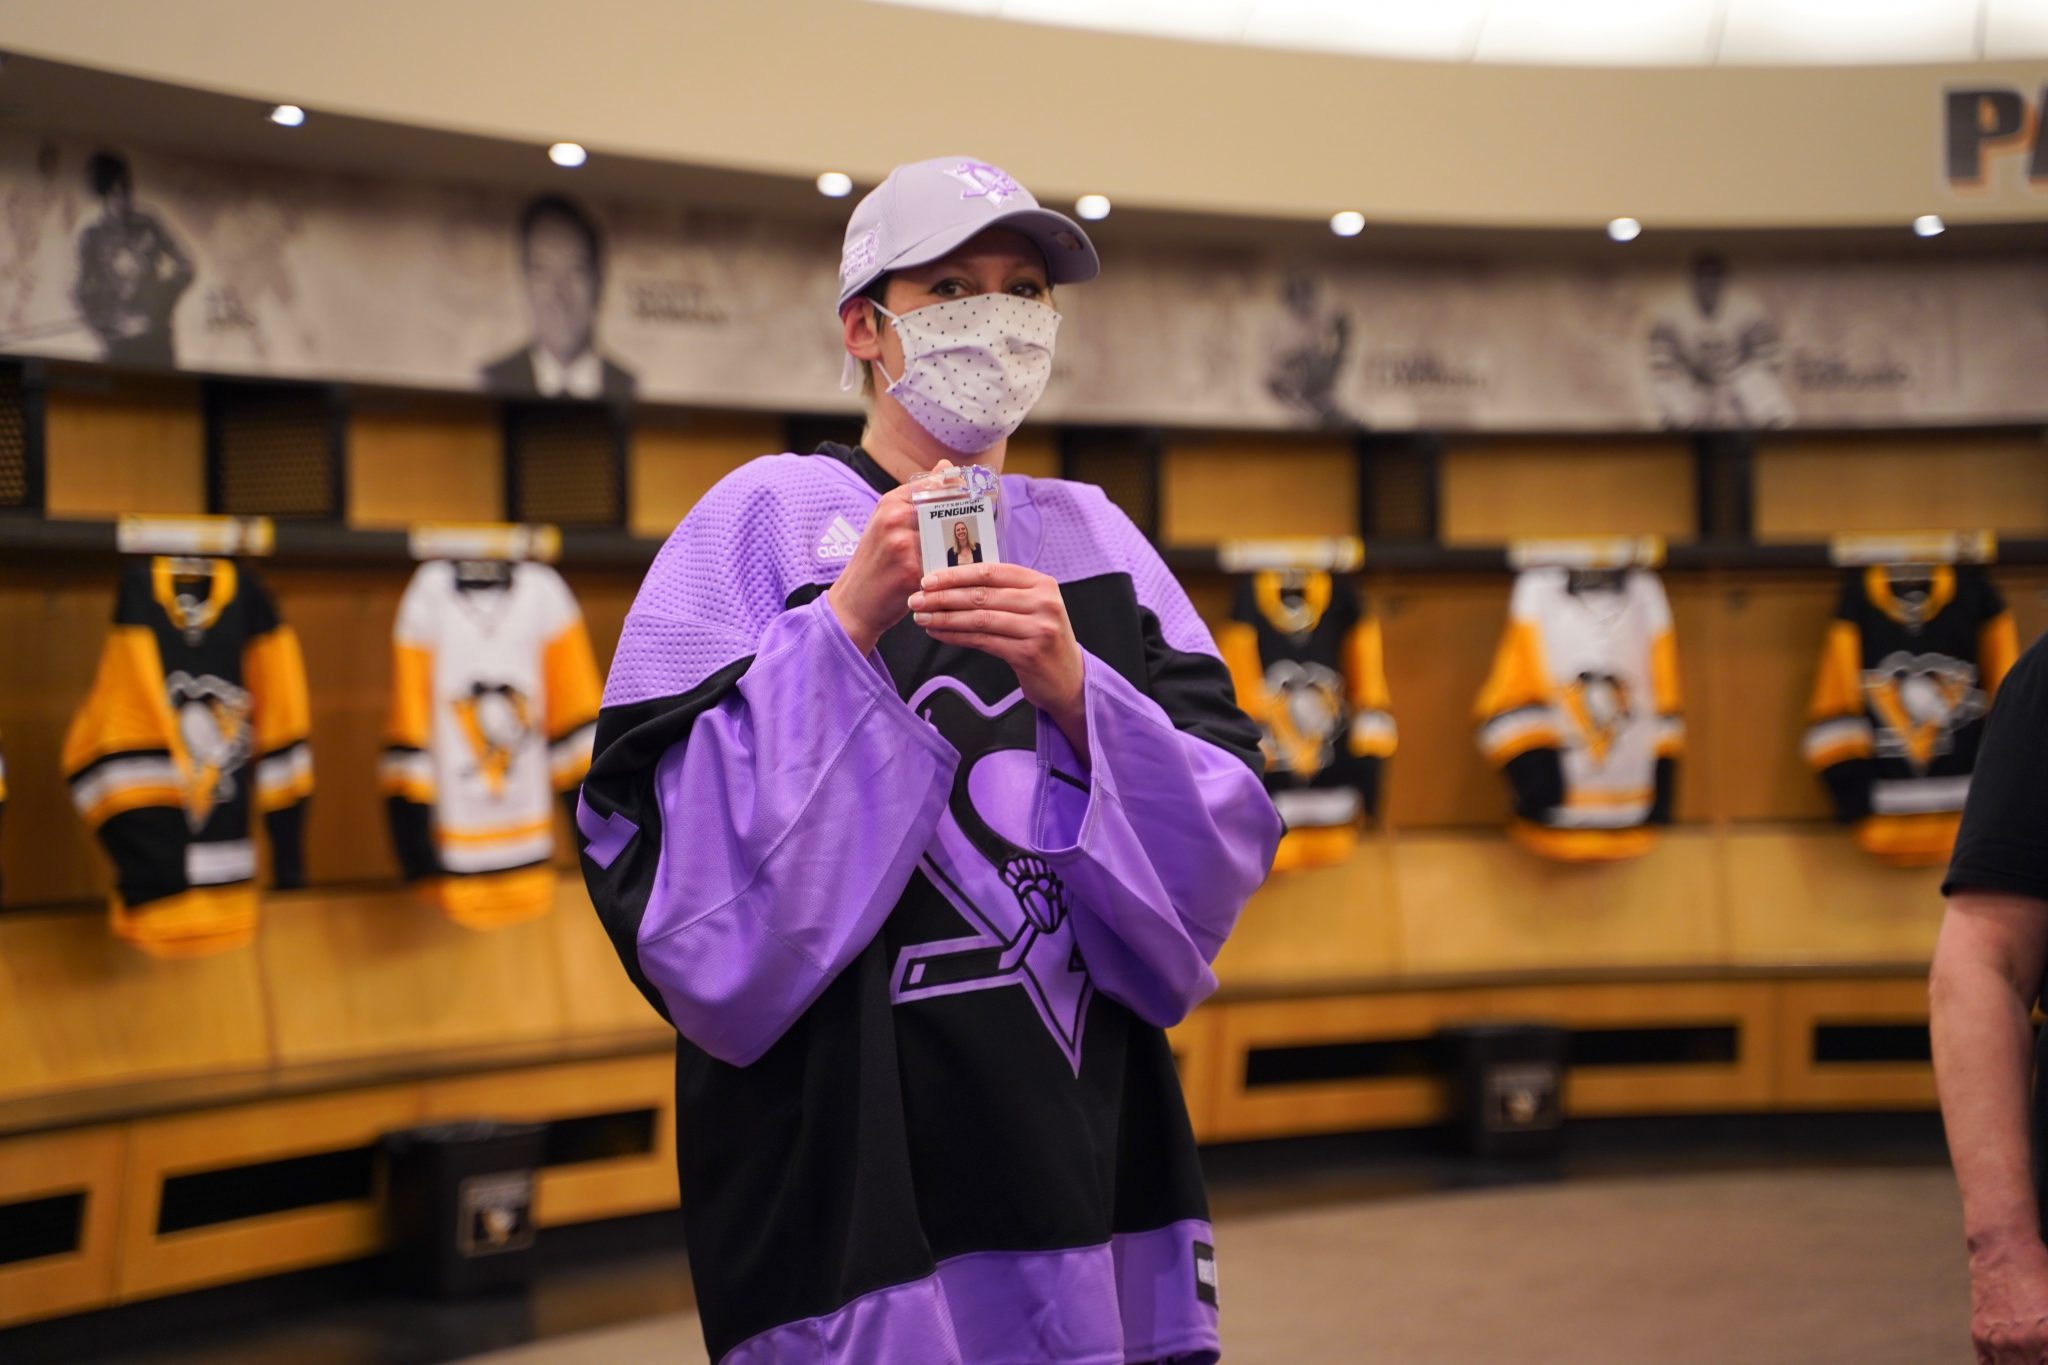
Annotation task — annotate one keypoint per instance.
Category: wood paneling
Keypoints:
(80, 1008)
(577, 1193)
(1238, 1111)
(377, 973)
(1218, 487)
(153, 1263)
(2026, 592)
(343, 621)
(1764, 648)
(1809, 487)
(1694, 622)
(424, 458)
(1033, 452)
(88, 1161)
(1803, 1083)
(1197, 1056)
(1477, 903)
(124, 444)
(676, 457)
(1501, 490)
(1810, 895)
(1742, 1085)
(1440, 638)
(1318, 926)
(46, 855)
(597, 995)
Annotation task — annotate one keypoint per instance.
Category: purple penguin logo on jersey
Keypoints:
(1018, 906)
(984, 181)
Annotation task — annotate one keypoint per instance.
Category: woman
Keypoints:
(966, 550)
(921, 867)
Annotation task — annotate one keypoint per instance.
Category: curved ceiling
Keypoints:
(789, 88)
(1571, 32)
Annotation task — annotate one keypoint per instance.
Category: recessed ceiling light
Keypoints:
(1349, 223)
(1624, 229)
(1093, 207)
(835, 184)
(1929, 225)
(568, 154)
(287, 116)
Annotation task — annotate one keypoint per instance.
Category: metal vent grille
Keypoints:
(273, 450)
(18, 456)
(1398, 487)
(1125, 464)
(565, 464)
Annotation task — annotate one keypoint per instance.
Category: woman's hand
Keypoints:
(1018, 615)
(869, 593)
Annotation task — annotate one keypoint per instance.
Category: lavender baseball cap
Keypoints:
(926, 208)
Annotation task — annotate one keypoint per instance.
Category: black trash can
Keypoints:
(460, 1201)
(1506, 1082)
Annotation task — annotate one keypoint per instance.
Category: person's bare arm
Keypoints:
(1987, 969)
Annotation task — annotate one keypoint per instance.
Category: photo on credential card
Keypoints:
(956, 532)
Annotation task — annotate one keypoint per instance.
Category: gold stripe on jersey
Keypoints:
(1584, 845)
(222, 584)
(492, 900)
(1941, 590)
(484, 838)
(569, 675)
(273, 669)
(205, 919)
(1268, 595)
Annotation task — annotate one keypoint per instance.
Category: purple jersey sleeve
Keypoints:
(1173, 830)
(760, 793)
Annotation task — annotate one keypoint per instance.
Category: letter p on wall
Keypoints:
(1982, 124)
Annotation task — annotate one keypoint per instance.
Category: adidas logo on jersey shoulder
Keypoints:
(838, 541)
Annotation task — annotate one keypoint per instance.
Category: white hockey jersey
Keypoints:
(1582, 711)
(494, 704)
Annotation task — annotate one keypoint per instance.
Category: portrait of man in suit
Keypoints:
(561, 257)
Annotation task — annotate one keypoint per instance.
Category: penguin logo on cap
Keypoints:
(984, 181)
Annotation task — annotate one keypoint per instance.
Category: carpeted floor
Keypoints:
(1778, 1268)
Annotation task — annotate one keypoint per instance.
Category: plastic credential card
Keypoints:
(956, 518)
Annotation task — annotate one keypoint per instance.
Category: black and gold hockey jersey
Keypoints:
(1581, 712)
(1912, 661)
(494, 702)
(1307, 664)
(197, 721)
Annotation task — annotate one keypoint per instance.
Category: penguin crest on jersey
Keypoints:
(496, 719)
(1013, 900)
(1307, 716)
(1599, 707)
(1921, 700)
(212, 717)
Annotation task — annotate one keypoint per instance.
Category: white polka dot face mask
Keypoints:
(973, 367)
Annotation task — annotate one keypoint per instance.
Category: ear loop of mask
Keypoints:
(850, 367)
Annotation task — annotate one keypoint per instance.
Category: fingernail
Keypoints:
(923, 618)
(928, 580)
(916, 600)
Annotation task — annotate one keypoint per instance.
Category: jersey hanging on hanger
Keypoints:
(1306, 661)
(197, 719)
(1912, 661)
(494, 696)
(1582, 712)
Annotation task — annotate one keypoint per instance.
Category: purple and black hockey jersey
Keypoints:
(919, 951)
